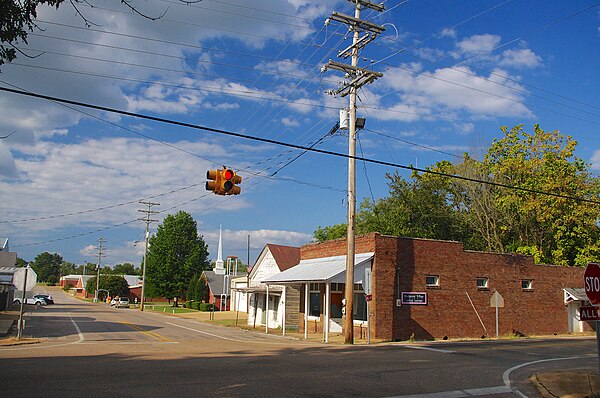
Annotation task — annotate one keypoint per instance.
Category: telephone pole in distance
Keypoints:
(147, 220)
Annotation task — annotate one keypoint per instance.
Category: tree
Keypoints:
(126, 269)
(67, 268)
(16, 18)
(115, 284)
(20, 262)
(328, 233)
(496, 216)
(176, 255)
(47, 265)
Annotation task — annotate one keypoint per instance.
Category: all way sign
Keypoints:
(589, 313)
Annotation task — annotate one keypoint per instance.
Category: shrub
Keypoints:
(68, 286)
(206, 307)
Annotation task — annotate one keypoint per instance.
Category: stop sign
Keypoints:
(591, 279)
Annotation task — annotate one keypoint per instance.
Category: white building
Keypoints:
(267, 304)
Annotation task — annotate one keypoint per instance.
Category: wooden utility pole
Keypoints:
(147, 220)
(100, 255)
(357, 78)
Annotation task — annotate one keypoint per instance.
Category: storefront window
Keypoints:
(315, 300)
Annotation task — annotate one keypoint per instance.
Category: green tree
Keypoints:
(328, 233)
(176, 255)
(555, 230)
(20, 262)
(126, 269)
(67, 268)
(16, 18)
(558, 230)
(115, 284)
(47, 265)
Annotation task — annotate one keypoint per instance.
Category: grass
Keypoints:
(166, 307)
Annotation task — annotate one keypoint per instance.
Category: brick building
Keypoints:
(428, 289)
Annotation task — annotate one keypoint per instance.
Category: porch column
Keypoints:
(284, 295)
(306, 285)
(267, 312)
(327, 308)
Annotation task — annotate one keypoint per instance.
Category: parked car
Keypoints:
(113, 302)
(30, 301)
(46, 297)
(123, 302)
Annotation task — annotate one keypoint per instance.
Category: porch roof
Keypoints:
(574, 294)
(327, 269)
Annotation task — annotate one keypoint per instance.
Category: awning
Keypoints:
(328, 269)
(574, 294)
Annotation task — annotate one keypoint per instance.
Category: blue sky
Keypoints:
(454, 72)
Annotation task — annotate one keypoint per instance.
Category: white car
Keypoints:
(122, 302)
(31, 301)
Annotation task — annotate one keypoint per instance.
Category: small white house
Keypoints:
(267, 304)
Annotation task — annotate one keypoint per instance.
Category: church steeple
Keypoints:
(219, 265)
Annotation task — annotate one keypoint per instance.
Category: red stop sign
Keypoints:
(591, 282)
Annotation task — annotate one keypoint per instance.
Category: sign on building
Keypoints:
(413, 298)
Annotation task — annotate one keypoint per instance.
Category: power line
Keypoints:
(281, 143)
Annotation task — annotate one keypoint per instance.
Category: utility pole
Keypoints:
(357, 78)
(147, 220)
(100, 255)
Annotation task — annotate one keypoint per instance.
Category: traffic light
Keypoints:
(223, 182)
(214, 185)
(229, 182)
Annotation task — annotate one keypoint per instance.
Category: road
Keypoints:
(99, 351)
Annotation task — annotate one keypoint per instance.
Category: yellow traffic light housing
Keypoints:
(229, 181)
(214, 185)
(223, 182)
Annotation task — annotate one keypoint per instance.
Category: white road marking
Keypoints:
(200, 331)
(473, 392)
(81, 338)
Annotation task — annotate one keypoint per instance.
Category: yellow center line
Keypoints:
(148, 332)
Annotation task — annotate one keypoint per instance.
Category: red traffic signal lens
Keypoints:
(228, 174)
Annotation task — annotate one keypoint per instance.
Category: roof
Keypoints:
(8, 259)
(327, 269)
(215, 282)
(285, 256)
(575, 294)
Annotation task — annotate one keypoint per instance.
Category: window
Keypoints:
(526, 284)
(482, 283)
(359, 308)
(432, 280)
(336, 287)
(314, 300)
(358, 287)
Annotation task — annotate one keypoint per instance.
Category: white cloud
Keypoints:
(520, 58)
(289, 122)
(448, 32)
(237, 241)
(595, 160)
(8, 167)
(458, 89)
(477, 44)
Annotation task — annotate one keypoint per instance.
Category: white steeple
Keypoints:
(219, 268)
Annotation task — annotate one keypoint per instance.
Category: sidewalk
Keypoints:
(7, 319)
(567, 384)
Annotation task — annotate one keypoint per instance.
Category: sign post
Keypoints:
(591, 283)
(368, 297)
(497, 301)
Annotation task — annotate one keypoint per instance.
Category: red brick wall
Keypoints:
(449, 311)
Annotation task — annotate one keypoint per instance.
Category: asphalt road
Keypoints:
(99, 351)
